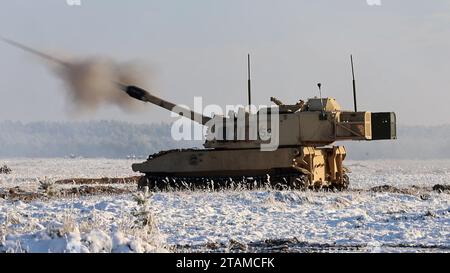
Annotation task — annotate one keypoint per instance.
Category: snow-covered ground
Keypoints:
(398, 173)
(354, 220)
(27, 172)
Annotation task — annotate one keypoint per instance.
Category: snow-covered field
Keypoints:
(355, 220)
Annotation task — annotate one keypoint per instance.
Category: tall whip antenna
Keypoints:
(249, 85)
(354, 84)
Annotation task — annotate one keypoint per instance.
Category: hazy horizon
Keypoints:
(118, 139)
(198, 48)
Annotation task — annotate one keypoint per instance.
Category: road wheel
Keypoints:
(143, 182)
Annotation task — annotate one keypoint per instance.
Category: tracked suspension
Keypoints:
(291, 181)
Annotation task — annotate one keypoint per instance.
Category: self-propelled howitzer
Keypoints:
(236, 154)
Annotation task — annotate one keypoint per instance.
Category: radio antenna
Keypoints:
(354, 84)
(249, 85)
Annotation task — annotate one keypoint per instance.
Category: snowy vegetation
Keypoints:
(415, 218)
(5, 169)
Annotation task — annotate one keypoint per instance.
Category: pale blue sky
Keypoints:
(198, 48)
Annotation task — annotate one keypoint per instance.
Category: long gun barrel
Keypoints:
(142, 95)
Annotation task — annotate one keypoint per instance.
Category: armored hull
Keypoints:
(286, 167)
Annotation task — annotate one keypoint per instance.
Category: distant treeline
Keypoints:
(111, 139)
(414, 142)
(114, 139)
